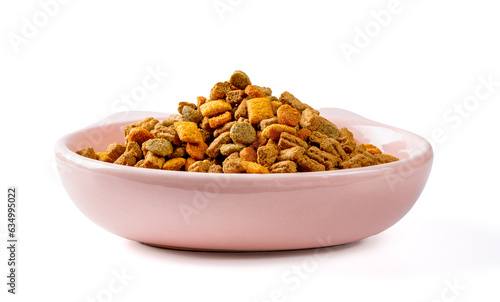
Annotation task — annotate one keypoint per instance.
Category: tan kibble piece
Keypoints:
(134, 149)
(232, 164)
(293, 154)
(219, 120)
(139, 135)
(214, 148)
(259, 109)
(188, 132)
(153, 161)
(288, 98)
(288, 115)
(184, 104)
(326, 159)
(200, 166)
(307, 164)
(261, 140)
(270, 121)
(158, 146)
(140, 164)
(274, 131)
(214, 108)
(225, 128)
(219, 91)
(242, 110)
(87, 152)
(303, 134)
(215, 169)
(227, 149)
(346, 139)
(267, 155)
(103, 156)
(240, 79)
(328, 144)
(179, 152)
(309, 119)
(372, 149)
(254, 168)
(115, 150)
(248, 154)
(126, 159)
(384, 158)
(254, 92)
(288, 140)
(197, 151)
(200, 100)
(286, 166)
(169, 133)
(243, 133)
(174, 164)
(359, 160)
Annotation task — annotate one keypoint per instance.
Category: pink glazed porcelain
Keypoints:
(245, 212)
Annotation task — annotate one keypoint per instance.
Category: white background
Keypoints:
(415, 72)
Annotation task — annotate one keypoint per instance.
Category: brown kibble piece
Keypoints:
(293, 154)
(214, 108)
(174, 164)
(359, 160)
(158, 146)
(276, 105)
(240, 79)
(189, 162)
(274, 131)
(225, 128)
(327, 128)
(303, 134)
(328, 144)
(169, 133)
(326, 159)
(288, 140)
(126, 159)
(270, 121)
(346, 139)
(197, 151)
(259, 109)
(254, 92)
(235, 97)
(192, 115)
(219, 120)
(288, 115)
(248, 154)
(179, 152)
(384, 158)
(232, 164)
(153, 161)
(219, 91)
(188, 132)
(214, 148)
(267, 155)
(243, 133)
(200, 100)
(255, 168)
(288, 98)
(181, 106)
(134, 149)
(139, 135)
(286, 166)
(307, 164)
(115, 150)
(87, 152)
(140, 164)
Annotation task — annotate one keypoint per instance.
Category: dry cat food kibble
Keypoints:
(241, 128)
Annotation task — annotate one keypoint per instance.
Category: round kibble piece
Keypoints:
(240, 79)
(243, 133)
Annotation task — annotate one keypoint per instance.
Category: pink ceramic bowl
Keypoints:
(245, 212)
